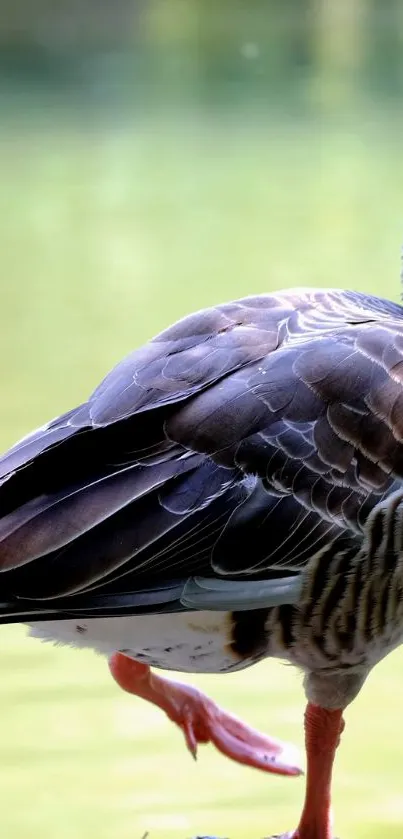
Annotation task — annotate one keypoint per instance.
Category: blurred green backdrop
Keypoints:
(157, 157)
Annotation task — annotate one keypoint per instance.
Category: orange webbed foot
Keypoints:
(202, 721)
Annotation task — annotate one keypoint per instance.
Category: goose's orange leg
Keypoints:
(323, 728)
(202, 721)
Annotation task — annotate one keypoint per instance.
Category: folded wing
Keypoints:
(233, 447)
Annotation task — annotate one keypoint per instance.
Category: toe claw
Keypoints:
(189, 734)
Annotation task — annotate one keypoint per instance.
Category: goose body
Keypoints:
(231, 491)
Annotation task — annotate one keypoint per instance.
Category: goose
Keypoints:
(231, 491)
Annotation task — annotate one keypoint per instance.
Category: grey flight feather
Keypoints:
(203, 593)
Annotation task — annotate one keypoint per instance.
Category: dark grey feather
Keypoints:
(239, 443)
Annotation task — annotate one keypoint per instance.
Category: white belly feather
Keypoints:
(194, 642)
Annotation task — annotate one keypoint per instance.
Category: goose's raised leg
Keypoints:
(202, 721)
